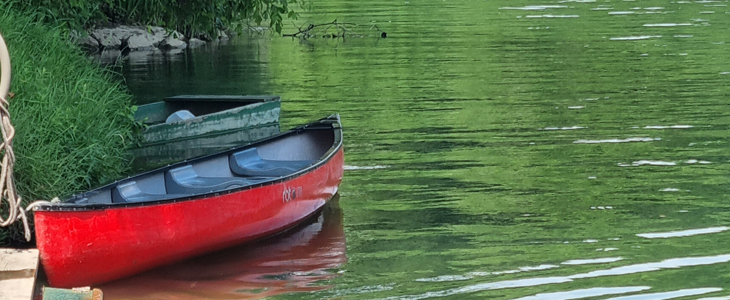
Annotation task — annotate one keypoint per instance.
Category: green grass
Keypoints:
(73, 120)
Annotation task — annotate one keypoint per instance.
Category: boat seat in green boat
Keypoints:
(249, 163)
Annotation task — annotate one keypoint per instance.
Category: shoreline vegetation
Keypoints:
(74, 121)
(138, 25)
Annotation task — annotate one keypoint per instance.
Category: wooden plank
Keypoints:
(18, 269)
(66, 294)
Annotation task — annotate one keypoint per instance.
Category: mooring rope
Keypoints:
(8, 191)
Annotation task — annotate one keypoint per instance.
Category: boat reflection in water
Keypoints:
(293, 261)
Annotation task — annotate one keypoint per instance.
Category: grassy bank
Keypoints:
(73, 121)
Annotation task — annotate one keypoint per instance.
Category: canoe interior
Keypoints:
(252, 165)
(198, 105)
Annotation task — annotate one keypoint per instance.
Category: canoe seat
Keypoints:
(130, 192)
(249, 163)
(184, 180)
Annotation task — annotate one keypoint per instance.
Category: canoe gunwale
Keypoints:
(228, 116)
(170, 105)
(332, 121)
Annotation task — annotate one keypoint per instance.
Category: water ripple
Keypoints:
(682, 233)
(672, 127)
(351, 168)
(673, 263)
(552, 16)
(563, 128)
(586, 293)
(694, 161)
(669, 295)
(716, 298)
(446, 278)
(627, 140)
(635, 38)
(667, 24)
(534, 7)
(592, 261)
(648, 163)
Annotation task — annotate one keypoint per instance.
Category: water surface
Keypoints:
(500, 149)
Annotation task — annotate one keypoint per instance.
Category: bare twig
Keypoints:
(323, 30)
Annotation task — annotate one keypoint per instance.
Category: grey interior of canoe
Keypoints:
(263, 162)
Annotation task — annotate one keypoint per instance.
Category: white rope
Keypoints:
(8, 191)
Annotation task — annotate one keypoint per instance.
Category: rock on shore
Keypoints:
(135, 38)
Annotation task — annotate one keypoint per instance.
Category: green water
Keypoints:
(497, 150)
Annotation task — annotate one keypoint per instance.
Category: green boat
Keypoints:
(183, 127)
(191, 116)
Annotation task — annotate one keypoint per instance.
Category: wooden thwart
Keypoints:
(18, 268)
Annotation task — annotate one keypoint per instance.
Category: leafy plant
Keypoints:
(190, 17)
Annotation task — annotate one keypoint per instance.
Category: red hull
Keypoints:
(294, 262)
(86, 247)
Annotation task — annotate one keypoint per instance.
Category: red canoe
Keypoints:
(191, 208)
